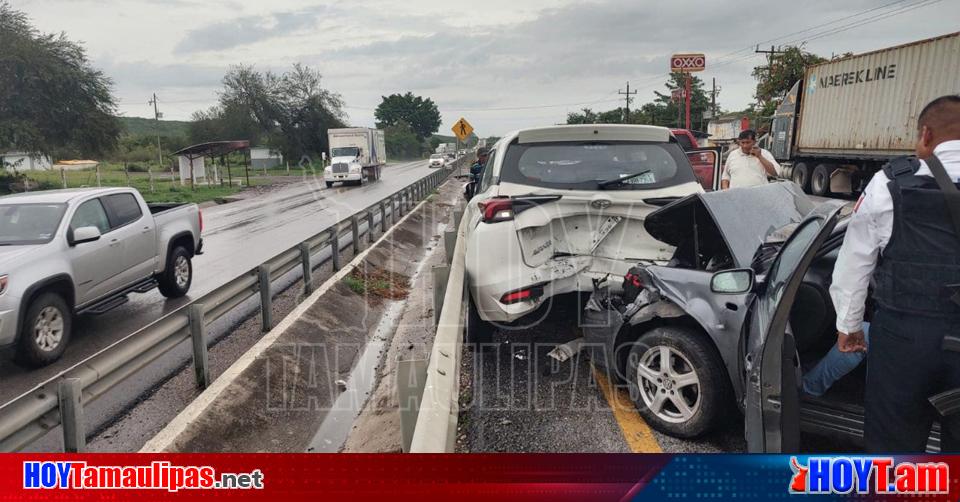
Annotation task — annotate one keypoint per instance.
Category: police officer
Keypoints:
(904, 237)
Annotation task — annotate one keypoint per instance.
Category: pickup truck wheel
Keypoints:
(677, 381)
(329, 184)
(45, 331)
(175, 280)
(478, 332)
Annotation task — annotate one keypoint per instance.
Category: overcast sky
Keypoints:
(502, 64)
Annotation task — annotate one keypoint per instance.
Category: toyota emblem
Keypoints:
(600, 203)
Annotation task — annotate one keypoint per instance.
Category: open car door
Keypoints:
(706, 165)
(772, 415)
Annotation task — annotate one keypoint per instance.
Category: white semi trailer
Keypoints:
(357, 155)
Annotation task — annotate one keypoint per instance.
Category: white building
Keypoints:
(21, 161)
(199, 170)
(264, 158)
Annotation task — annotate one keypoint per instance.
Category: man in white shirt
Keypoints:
(748, 165)
(903, 237)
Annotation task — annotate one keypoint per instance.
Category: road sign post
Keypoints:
(686, 64)
(462, 129)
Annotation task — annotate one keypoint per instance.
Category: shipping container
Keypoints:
(849, 116)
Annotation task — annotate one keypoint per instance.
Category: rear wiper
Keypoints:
(605, 184)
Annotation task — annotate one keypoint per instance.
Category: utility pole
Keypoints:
(627, 94)
(156, 118)
(770, 55)
(713, 98)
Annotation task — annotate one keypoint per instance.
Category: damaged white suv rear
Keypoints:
(558, 207)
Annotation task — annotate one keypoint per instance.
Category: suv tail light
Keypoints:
(200, 217)
(529, 293)
(495, 210)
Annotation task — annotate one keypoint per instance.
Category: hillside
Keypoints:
(138, 126)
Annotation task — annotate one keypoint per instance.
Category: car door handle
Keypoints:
(146, 230)
(114, 242)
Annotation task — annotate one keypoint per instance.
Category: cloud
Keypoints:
(247, 30)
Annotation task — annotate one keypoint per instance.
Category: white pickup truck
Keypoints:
(81, 251)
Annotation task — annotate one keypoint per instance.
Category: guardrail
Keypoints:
(435, 430)
(61, 399)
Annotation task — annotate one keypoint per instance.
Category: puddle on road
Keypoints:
(336, 425)
(346, 408)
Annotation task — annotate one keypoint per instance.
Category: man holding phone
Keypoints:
(748, 165)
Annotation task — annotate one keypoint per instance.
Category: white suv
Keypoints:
(556, 207)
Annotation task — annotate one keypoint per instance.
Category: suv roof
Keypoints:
(589, 132)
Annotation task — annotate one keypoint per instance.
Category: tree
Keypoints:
(775, 80)
(290, 112)
(402, 142)
(420, 113)
(663, 111)
(52, 101)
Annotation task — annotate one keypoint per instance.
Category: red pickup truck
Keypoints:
(705, 160)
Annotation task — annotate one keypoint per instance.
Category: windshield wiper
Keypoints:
(605, 184)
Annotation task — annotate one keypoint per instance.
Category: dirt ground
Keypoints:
(377, 428)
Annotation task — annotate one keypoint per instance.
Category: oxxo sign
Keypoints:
(688, 62)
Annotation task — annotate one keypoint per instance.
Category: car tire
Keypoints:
(695, 377)
(820, 180)
(175, 280)
(329, 184)
(45, 330)
(478, 332)
(801, 176)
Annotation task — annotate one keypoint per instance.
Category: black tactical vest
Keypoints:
(922, 260)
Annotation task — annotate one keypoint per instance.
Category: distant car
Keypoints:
(77, 251)
(437, 160)
(557, 207)
(736, 316)
(450, 157)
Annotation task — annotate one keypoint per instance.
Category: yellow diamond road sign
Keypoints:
(462, 129)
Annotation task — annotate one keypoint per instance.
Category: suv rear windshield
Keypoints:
(585, 165)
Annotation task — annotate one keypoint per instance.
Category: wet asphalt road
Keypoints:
(237, 237)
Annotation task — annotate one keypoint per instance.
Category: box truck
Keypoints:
(850, 116)
(357, 155)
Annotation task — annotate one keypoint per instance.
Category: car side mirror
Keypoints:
(84, 234)
(732, 282)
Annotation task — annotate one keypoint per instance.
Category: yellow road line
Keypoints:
(639, 437)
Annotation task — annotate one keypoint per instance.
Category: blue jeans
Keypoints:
(833, 367)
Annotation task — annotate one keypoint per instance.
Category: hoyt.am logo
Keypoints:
(879, 475)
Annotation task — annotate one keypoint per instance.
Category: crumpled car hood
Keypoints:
(743, 216)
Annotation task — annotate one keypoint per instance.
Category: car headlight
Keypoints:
(3, 284)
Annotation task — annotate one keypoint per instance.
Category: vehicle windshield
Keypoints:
(587, 165)
(436, 156)
(346, 151)
(23, 224)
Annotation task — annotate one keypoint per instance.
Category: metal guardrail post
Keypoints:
(370, 226)
(69, 395)
(383, 217)
(393, 210)
(355, 230)
(266, 300)
(198, 334)
(441, 273)
(335, 247)
(305, 261)
(449, 242)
